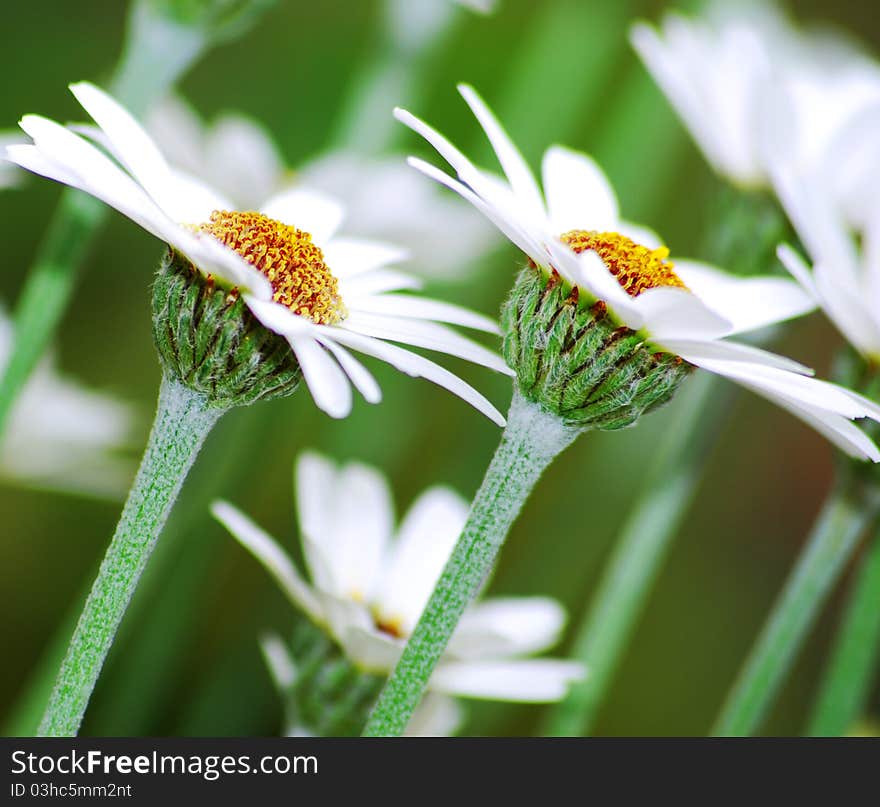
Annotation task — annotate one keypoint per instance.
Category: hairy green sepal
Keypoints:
(576, 362)
(209, 340)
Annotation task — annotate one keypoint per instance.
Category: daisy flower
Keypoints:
(730, 72)
(371, 580)
(383, 198)
(573, 230)
(323, 293)
(63, 436)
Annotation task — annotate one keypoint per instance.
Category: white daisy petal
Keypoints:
(435, 716)
(134, 147)
(515, 167)
(357, 530)
(326, 381)
(733, 351)
(421, 333)
(798, 268)
(407, 305)
(373, 651)
(281, 665)
(673, 313)
(807, 391)
(266, 550)
(504, 627)
(579, 195)
(417, 556)
(316, 213)
(523, 681)
(748, 303)
(359, 375)
(349, 257)
(837, 429)
(377, 282)
(415, 365)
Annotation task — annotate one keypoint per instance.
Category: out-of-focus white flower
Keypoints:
(62, 436)
(384, 200)
(845, 275)
(370, 582)
(323, 293)
(573, 228)
(10, 174)
(754, 90)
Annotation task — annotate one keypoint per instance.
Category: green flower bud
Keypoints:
(209, 340)
(577, 362)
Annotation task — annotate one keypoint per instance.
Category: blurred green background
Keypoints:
(186, 661)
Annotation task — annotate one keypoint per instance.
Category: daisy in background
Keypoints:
(573, 230)
(726, 72)
(383, 198)
(324, 294)
(62, 436)
(370, 581)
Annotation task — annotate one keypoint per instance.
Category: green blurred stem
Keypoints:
(846, 685)
(638, 555)
(183, 421)
(830, 545)
(156, 53)
(530, 442)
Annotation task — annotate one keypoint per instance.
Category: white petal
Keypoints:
(96, 174)
(405, 305)
(421, 333)
(316, 213)
(733, 351)
(359, 375)
(417, 556)
(502, 216)
(515, 167)
(806, 391)
(357, 528)
(526, 681)
(315, 484)
(279, 318)
(673, 313)
(798, 268)
(836, 428)
(133, 145)
(327, 383)
(435, 716)
(579, 195)
(371, 650)
(415, 365)
(281, 665)
(510, 626)
(377, 282)
(240, 155)
(748, 303)
(266, 550)
(347, 257)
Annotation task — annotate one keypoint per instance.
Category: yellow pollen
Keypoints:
(293, 264)
(635, 267)
(393, 627)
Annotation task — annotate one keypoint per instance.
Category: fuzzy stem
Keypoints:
(157, 52)
(183, 421)
(531, 440)
(830, 546)
(638, 555)
(846, 685)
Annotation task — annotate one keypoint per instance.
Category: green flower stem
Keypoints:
(830, 546)
(639, 553)
(531, 440)
(183, 420)
(156, 53)
(846, 685)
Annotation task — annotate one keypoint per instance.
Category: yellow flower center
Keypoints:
(635, 267)
(293, 264)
